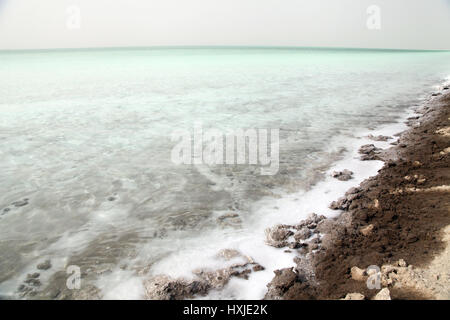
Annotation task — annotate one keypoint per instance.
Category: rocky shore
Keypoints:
(392, 239)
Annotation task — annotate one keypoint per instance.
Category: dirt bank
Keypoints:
(398, 219)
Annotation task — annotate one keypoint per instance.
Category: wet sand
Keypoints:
(398, 221)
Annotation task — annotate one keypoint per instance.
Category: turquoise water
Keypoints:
(86, 138)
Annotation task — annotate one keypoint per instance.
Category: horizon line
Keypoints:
(222, 47)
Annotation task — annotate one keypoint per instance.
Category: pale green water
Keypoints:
(77, 127)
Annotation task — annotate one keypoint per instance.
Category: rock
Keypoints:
(229, 219)
(352, 197)
(317, 218)
(444, 131)
(379, 138)
(390, 164)
(21, 203)
(316, 239)
(312, 225)
(294, 245)
(166, 288)
(217, 278)
(352, 194)
(227, 216)
(341, 204)
(372, 272)
(258, 267)
(354, 296)
(421, 181)
(353, 190)
(25, 291)
(353, 206)
(402, 263)
(400, 275)
(334, 205)
(311, 219)
(303, 250)
(302, 234)
(22, 288)
(228, 254)
(369, 152)
(344, 175)
(417, 164)
(277, 236)
(375, 205)
(33, 282)
(358, 274)
(44, 265)
(367, 148)
(385, 269)
(367, 230)
(384, 294)
(283, 280)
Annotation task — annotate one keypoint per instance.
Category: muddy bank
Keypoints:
(396, 221)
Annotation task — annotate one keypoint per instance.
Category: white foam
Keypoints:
(121, 285)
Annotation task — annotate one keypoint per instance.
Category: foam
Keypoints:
(121, 285)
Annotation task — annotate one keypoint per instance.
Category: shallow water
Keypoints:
(86, 138)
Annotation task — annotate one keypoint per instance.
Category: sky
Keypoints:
(396, 24)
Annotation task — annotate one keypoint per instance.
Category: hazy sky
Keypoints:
(407, 24)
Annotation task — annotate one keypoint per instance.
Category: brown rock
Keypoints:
(277, 236)
(341, 204)
(417, 164)
(344, 175)
(166, 288)
(302, 234)
(283, 280)
(384, 294)
(367, 230)
(358, 274)
(44, 265)
(258, 267)
(354, 296)
(228, 254)
(402, 263)
(369, 152)
(379, 138)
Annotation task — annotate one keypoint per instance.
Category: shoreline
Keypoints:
(394, 220)
(224, 282)
(256, 270)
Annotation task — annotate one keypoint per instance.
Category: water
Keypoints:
(86, 138)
